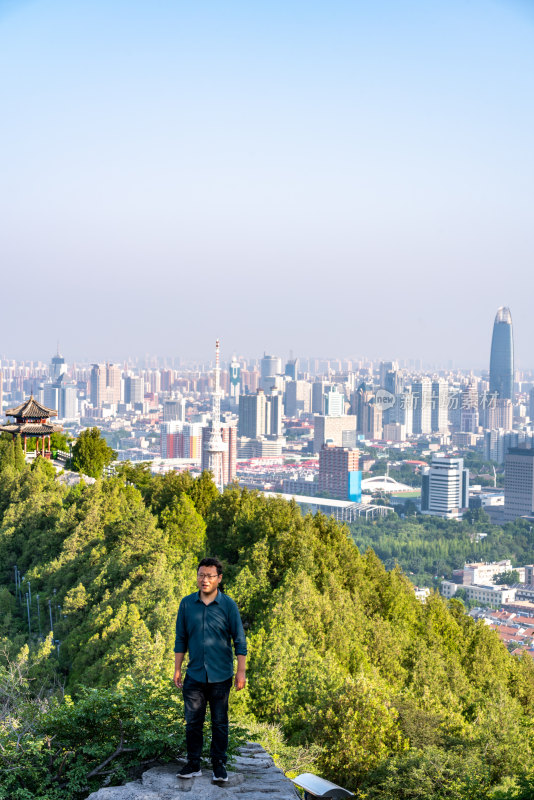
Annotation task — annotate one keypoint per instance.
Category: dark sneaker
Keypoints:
(219, 773)
(190, 770)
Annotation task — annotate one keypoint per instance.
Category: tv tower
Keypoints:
(215, 446)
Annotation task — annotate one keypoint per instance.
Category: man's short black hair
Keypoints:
(211, 562)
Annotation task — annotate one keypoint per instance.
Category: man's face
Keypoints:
(207, 579)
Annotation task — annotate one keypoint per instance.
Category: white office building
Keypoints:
(485, 595)
(334, 403)
(445, 489)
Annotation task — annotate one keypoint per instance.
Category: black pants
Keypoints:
(196, 697)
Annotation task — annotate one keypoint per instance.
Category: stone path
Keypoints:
(253, 776)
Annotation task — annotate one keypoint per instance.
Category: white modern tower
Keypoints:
(445, 489)
(215, 447)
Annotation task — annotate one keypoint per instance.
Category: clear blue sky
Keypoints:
(333, 177)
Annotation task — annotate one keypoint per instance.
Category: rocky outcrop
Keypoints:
(253, 776)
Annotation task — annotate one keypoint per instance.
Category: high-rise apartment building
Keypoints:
(439, 417)
(192, 440)
(250, 381)
(98, 385)
(502, 356)
(368, 412)
(385, 368)
(174, 410)
(181, 440)
(394, 382)
(105, 383)
(252, 415)
(297, 398)
(134, 389)
(260, 414)
(339, 476)
(498, 443)
(167, 379)
(394, 432)
(499, 414)
(68, 401)
(229, 437)
(401, 412)
(494, 445)
(469, 411)
(271, 366)
(422, 405)
(168, 442)
(519, 483)
(154, 381)
(360, 399)
(275, 411)
(58, 367)
(291, 370)
(319, 388)
(51, 396)
(371, 420)
(445, 489)
(332, 430)
(113, 383)
(59, 392)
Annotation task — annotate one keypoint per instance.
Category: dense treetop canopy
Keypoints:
(366, 684)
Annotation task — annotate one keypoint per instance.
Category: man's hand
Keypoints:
(240, 679)
(178, 659)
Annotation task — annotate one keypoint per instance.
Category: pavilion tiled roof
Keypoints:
(31, 409)
(30, 429)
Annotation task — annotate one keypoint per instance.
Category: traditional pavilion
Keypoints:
(32, 420)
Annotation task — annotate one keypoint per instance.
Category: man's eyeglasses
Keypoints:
(201, 575)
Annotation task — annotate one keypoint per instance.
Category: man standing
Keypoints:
(207, 622)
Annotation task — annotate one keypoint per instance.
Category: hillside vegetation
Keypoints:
(348, 675)
(429, 547)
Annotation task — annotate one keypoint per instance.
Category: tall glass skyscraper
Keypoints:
(502, 356)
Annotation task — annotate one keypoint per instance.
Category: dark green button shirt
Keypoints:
(207, 631)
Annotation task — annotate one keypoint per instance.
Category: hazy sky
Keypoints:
(335, 178)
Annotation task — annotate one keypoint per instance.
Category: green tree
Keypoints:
(359, 729)
(344, 659)
(430, 773)
(139, 475)
(20, 462)
(477, 515)
(7, 451)
(91, 454)
(60, 441)
(509, 577)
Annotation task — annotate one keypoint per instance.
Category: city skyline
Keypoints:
(500, 367)
(338, 178)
